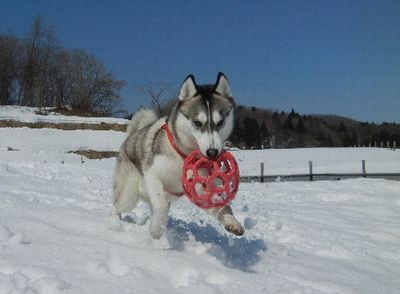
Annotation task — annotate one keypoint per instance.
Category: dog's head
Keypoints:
(204, 117)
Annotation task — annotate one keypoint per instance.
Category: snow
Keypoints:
(55, 140)
(325, 160)
(277, 161)
(28, 114)
(57, 235)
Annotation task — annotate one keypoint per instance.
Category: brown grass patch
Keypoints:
(11, 149)
(93, 154)
(79, 112)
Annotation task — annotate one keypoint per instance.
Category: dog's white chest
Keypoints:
(169, 171)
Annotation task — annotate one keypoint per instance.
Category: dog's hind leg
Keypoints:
(126, 187)
(226, 218)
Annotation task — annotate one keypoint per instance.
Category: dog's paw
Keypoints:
(156, 232)
(238, 230)
(156, 235)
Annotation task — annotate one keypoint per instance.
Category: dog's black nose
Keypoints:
(212, 152)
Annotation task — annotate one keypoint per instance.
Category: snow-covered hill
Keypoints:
(29, 115)
(57, 236)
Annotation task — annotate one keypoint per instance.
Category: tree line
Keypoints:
(256, 128)
(37, 71)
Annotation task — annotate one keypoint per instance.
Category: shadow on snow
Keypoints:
(238, 253)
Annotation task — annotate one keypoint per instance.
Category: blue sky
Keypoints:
(331, 57)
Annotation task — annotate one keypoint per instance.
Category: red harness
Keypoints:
(172, 141)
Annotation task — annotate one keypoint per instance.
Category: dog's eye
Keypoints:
(198, 123)
(220, 123)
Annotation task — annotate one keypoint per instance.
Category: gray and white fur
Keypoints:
(148, 166)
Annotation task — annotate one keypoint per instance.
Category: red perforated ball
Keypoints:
(208, 182)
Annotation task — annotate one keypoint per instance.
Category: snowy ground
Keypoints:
(325, 160)
(57, 236)
(28, 114)
(277, 161)
(59, 141)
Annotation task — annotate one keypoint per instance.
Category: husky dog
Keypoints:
(149, 167)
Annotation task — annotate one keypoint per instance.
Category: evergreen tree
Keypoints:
(321, 137)
(236, 136)
(251, 133)
(264, 134)
(382, 136)
(330, 142)
(342, 128)
(288, 123)
(276, 120)
(346, 140)
(300, 128)
(354, 139)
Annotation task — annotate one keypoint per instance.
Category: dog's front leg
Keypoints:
(226, 218)
(159, 205)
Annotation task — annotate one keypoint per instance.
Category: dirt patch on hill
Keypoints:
(79, 112)
(93, 154)
(64, 126)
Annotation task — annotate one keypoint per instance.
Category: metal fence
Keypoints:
(310, 176)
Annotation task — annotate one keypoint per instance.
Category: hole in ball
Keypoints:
(219, 198)
(205, 169)
(201, 188)
(189, 175)
(218, 182)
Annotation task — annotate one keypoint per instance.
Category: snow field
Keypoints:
(325, 160)
(54, 140)
(56, 236)
(28, 114)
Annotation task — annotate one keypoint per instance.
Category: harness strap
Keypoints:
(177, 194)
(172, 141)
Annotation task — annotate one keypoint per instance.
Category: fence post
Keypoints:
(262, 172)
(364, 173)
(388, 145)
(381, 144)
(310, 170)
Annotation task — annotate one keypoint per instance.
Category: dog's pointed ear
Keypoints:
(189, 88)
(222, 86)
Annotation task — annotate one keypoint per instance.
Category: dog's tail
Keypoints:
(141, 119)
